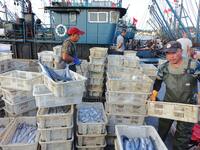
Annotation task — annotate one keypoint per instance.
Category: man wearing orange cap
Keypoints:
(69, 54)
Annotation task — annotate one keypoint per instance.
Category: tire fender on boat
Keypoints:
(58, 28)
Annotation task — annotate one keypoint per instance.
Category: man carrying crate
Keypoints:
(181, 77)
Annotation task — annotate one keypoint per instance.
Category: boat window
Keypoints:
(98, 17)
(114, 16)
(72, 18)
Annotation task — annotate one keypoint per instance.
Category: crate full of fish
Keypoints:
(115, 119)
(61, 116)
(74, 83)
(96, 68)
(91, 118)
(136, 84)
(22, 134)
(98, 147)
(130, 109)
(16, 96)
(5, 124)
(174, 111)
(57, 145)
(97, 60)
(56, 133)
(44, 97)
(126, 97)
(20, 80)
(98, 51)
(18, 108)
(138, 138)
(5, 56)
(91, 140)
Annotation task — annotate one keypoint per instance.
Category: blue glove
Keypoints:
(76, 61)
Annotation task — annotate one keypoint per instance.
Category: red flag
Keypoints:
(134, 21)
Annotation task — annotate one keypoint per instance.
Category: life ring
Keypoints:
(61, 30)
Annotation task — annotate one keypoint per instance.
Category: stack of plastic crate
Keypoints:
(17, 87)
(149, 69)
(96, 71)
(127, 90)
(91, 126)
(55, 102)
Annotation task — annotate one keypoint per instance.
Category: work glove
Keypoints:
(76, 61)
(153, 95)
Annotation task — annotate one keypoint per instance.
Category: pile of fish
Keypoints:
(64, 76)
(59, 109)
(24, 133)
(90, 114)
(142, 143)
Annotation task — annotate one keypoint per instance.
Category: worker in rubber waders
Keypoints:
(69, 53)
(180, 76)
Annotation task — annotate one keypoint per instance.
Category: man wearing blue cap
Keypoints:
(180, 76)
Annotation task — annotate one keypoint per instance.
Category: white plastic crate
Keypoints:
(126, 97)
(112, 68)
(61, 89)
(45, 98)
(174, 111)
(115, 60)
(45, 56)
(126, 109)
(130, 53)
(149, 69)
(93, 127)
(97, 60)
(57, 145)
(95, 87)
(5, 56)
(56, 133)
(6, 65)
(91, 140)
(95, 93)
(46, 120)
(99, 75)
(30, 113)
(16, 96)
(5, 123)
(18, 108)
(57, 50)
(20, 80)
(125, 119)
(9, 134)
(99, 147)
(96, 68)
(95, 81)
(98, 52)
(136, 73)
(137, 84)
(131, 62)
(138, 131)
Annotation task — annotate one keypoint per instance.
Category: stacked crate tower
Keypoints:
(127, 90)
(55, 116)
(17, 87)
(96, 67)
(91, 126)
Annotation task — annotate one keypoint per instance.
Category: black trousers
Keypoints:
(182, 136)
